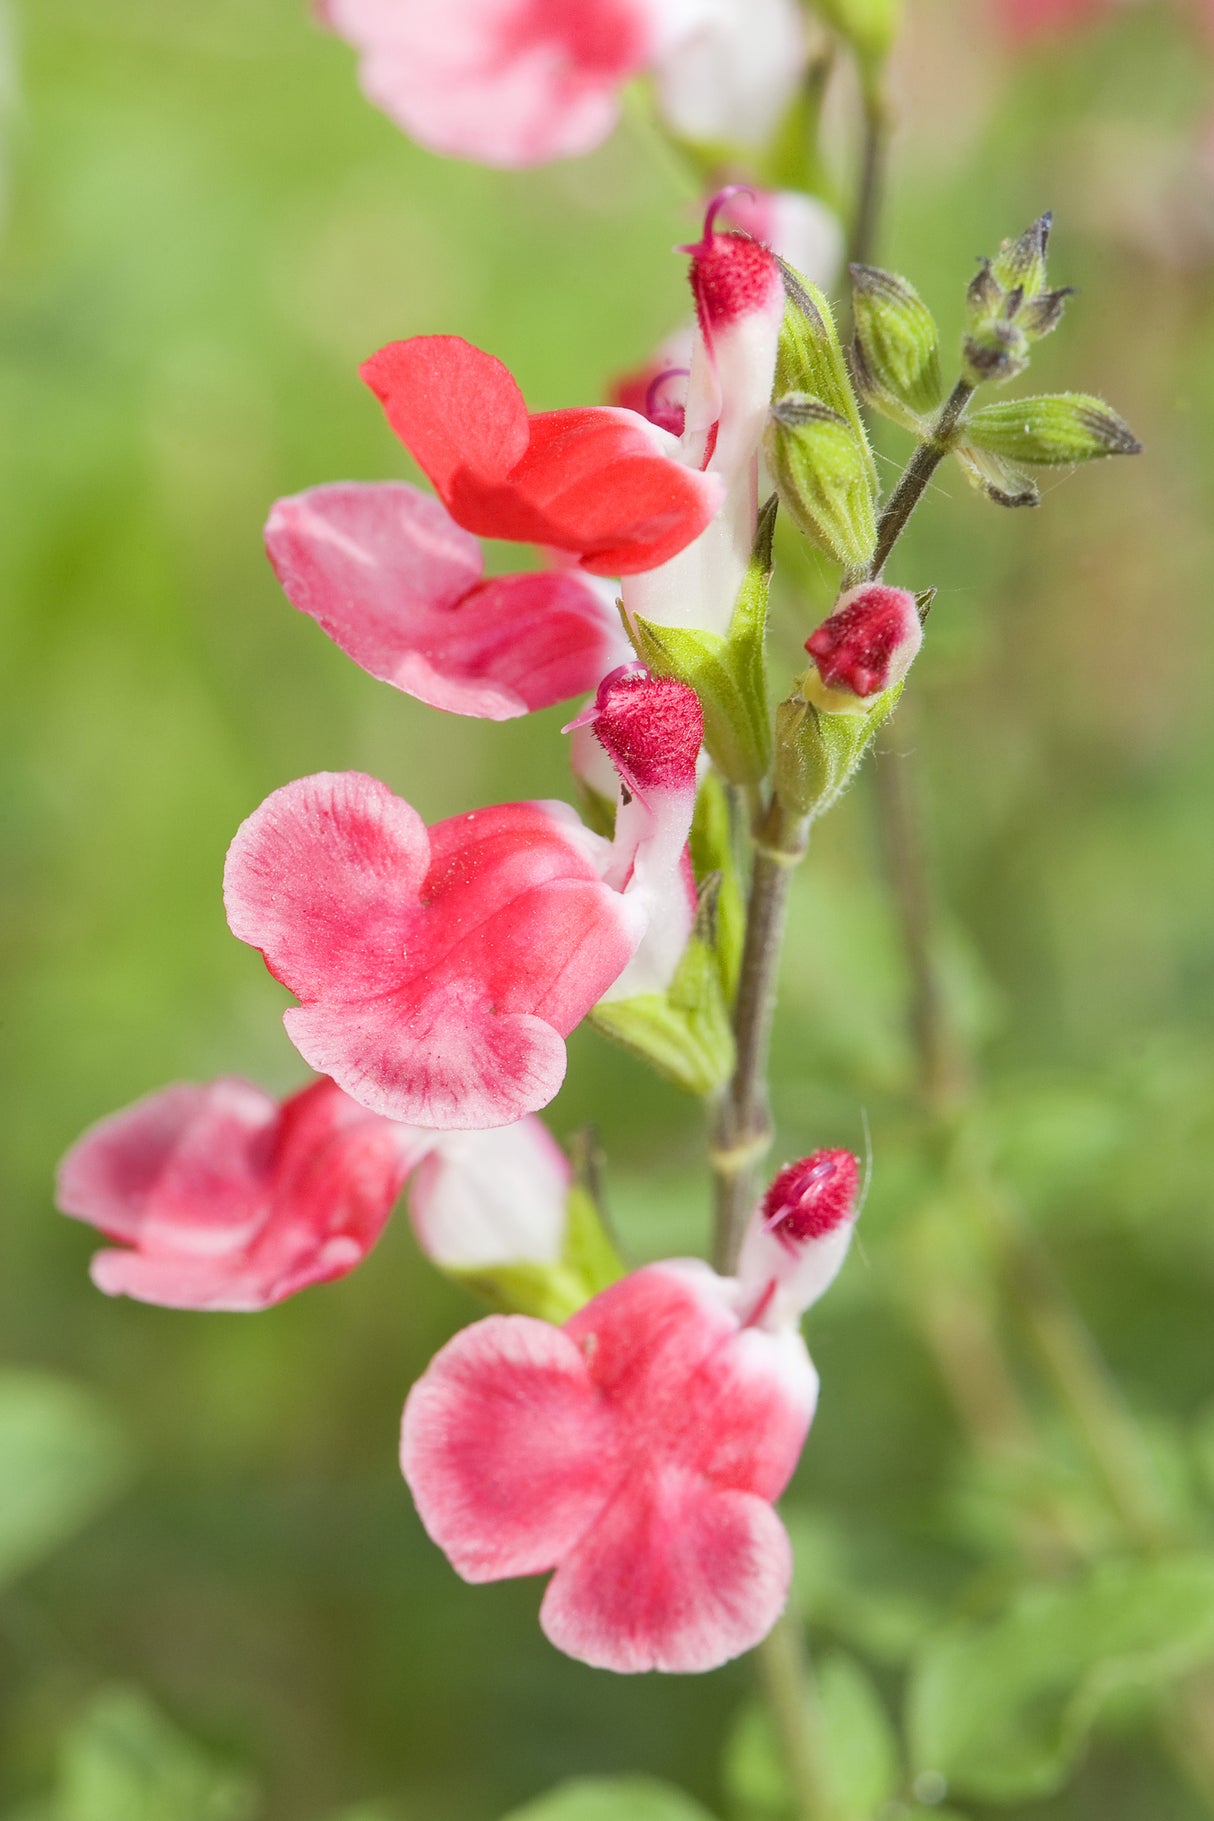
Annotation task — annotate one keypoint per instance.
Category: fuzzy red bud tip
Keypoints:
(650, 728)
(732, 276)
(869, 641)
(809, 1199)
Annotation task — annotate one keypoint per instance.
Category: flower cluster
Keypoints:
(629, 1431)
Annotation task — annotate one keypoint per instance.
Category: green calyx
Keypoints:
(1057, 430)
(817, 752)
(729, 674)
(1009, 307)
(869, 27)
(896, 354)
(821, 472)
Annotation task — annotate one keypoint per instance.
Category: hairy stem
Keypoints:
(918, 472)
(743, 1126)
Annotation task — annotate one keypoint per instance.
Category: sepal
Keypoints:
(589, 1262)
(1002, 484)
(821, 470)
(728, 674)
(685, 1032)
(810, 359)
(896, 354)
(817, 752)
(1009, 307)
(1058, 430)
(714, 857)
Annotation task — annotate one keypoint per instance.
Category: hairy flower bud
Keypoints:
(1050, 432)
(799, 1235)
(896, 356)
(820, 468)
(1009, 307)
(866, 646)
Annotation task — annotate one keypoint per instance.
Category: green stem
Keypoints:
(787, 1678)
(918, 472)
(863, 237)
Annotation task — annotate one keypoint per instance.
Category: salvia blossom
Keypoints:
(516, 82)
(866, 645)
(739, 297)
(220, 1197)
(398, 585)
(638, 1449)
(439, 971)
(602, 483)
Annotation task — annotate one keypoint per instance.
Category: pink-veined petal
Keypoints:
(507, 1447)
(674, 1575)
(396, 583)
(437, 974)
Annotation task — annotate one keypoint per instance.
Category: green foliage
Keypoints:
(685, 1032)
(62, 1460)
(122, 1761)
(1002, 1709)
(1056, 431)
(612, 1799)
(859, 1751)
(811, 361)
(728, 674)
(870, 27)
(897, 347)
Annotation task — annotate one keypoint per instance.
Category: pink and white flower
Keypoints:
(739, 295)
(439, 971)
(517, 82)
(491, 1198)
(637, 1451)
(399, 586)
(601, 483)
(220, 1197)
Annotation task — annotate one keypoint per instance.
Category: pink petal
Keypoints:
(508, 82)
(673, 1576)
(437, 974)
(394, 581)
(187, 1160)
(507, 1448)
(691, 1385)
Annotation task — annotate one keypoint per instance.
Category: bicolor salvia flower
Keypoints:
(517, 82)
(638, 1449)
(399, 586)
(218, 1196)
(739, 298)
(440, 970)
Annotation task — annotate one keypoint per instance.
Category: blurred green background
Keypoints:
(206, 1533)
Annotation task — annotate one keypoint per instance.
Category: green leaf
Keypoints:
(552, 1292)
(62, 1459)
(897, 347)
(821, 471)
(713, 855)
(810, 360)
(1054, 431)
(729, 674)
(860, 1759)
(1001, 1710)
(124, 1762)
(612, 1799)
(817, 753)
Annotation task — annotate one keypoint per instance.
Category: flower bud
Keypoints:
(896, 357)
(810, 359)
(1055, 431)
(1009, 307)
(799, 1235)
(869, 26)
(865, 647)
(820, 468)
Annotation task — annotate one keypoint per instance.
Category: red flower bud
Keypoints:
(868, 643)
